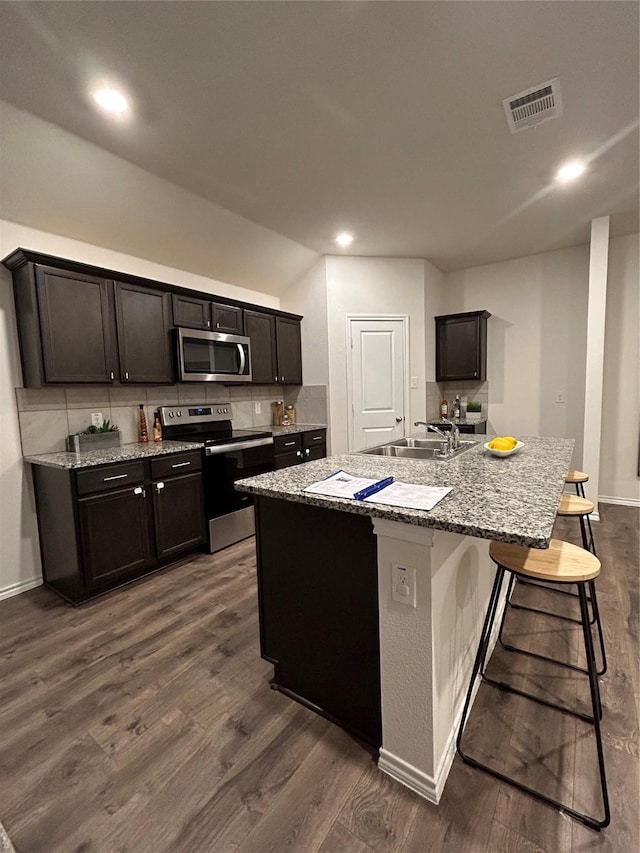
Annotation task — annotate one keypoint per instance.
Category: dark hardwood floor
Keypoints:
(144, 722)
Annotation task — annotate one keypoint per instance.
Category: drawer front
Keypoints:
(176, 463)
(287, 443)
(315, 438)
(110, 477)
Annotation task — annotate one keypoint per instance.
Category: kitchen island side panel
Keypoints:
(318, 598)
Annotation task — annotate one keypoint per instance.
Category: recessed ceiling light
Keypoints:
(570, 171)
(344, 239)
(111, 100)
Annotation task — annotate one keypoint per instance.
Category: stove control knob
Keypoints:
(170, 414)
(219, 410)
(226, 411)
(179, 414)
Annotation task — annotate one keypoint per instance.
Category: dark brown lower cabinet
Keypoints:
(104, 526)
(318, 606)
(295, 448)
(108, 557)
(178, 512)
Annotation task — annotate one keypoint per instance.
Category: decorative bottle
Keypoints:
(157, 427)
(456, 407)
(444, 408)
(143, 433)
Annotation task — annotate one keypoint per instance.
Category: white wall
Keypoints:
(536, 340)
(434, 305)
(19, 550)
(371, 286)
(309, 298)
(621, 391)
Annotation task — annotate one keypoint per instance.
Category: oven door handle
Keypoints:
(243, 360)
(238, 445)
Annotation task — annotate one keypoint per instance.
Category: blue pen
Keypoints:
(371, 490)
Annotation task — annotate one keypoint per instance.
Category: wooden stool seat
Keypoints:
(573, 505)
(576, 477)
(561, 562)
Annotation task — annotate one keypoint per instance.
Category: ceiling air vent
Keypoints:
(532, 107)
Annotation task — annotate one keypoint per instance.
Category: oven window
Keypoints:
(201, 356)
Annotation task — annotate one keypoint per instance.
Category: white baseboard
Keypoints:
(607, 499)
(21, 586)
(408, 775)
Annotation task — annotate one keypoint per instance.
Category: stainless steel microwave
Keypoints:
(212, 357)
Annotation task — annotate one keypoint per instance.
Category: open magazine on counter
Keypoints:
(341, 484)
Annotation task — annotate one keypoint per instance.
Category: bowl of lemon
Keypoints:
(503, 445)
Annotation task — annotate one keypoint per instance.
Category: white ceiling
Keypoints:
(382, 118)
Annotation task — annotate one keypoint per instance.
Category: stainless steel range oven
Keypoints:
(230, 455)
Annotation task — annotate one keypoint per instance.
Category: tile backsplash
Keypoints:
(473, 391)
(48, 415)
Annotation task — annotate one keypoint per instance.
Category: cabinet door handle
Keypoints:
(208, 324)
(317, 438)
(217, 325)
(115, 477)
(126, 375)
(307, 451)
(111, 375)
(180, 464)
(299, 454)
(138, 491)
(282, 379)
(275, 378)
(399, 420)
(289, 443)
(159, 487)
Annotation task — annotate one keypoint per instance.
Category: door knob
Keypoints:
(399, 420)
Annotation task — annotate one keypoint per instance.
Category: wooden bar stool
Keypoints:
(578, 479)
(581, 508)
(561, 563)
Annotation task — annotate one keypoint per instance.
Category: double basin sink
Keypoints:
(418, 448)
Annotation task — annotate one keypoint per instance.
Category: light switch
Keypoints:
(403, 584)
(96, 419)
(257, 408)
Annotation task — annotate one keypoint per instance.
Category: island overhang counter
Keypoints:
(393, 673)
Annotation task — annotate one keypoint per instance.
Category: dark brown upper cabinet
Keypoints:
(76, 327)
(461, 346)
(275, 348)
(227, 318)
(191, 313)
(143, 321)
(261, 329)
(289, 350)
(80, 323)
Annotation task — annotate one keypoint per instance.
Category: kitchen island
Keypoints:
(393, 671)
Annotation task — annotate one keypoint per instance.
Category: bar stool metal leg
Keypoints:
(478, 668)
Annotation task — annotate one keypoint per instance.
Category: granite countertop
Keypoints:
(509, 499)
(105, 455)
(290, 430)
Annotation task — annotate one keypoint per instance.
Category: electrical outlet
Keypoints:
(96, 419)
(560, 397)
(414, 381)
(403, 584)
(257, 408)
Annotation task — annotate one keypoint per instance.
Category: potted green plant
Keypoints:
(95, 437)
(474, 411)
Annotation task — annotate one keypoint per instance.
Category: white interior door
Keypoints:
(377, 386)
